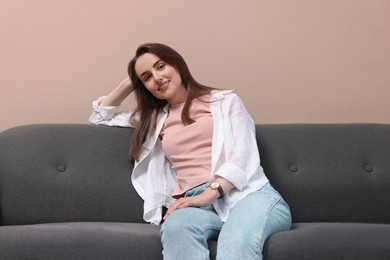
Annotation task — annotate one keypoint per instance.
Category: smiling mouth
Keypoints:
(163, 86)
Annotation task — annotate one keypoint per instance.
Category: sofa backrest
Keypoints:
(329, 172)
(65, 172)
(61, 173)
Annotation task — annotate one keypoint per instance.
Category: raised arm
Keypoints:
(106, 109)
(118, 94)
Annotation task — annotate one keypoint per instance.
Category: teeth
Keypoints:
(159, 88)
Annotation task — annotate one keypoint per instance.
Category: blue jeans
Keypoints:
(185, 232)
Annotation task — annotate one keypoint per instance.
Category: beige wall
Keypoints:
(302, 61)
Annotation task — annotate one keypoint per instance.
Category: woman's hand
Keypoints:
(118, 94)
(202, 200)
(126, 83)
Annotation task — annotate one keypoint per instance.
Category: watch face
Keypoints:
(214, 185)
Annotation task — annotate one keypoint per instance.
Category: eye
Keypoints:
(161, 66)
(147, 77)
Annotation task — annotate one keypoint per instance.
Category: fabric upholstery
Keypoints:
(66, 173)
(329, 172)
(325, 241)
(80, 241)
(66, 193)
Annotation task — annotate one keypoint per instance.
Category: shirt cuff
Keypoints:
(105, 112)
(233, 174)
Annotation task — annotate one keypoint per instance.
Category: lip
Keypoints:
(163, 86)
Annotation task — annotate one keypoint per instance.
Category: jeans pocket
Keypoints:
(196, 190)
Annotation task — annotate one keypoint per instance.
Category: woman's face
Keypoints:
(160, 79)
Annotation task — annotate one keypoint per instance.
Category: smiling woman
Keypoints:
(161, 79)
(188, 144)
(150, 103)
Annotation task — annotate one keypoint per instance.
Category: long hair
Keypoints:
(148, 106)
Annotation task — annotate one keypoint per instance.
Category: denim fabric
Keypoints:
(252, 220)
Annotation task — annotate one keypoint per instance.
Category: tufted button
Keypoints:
(369, 168)
(61, 168)
(293, 168)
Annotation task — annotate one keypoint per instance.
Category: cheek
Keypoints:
(148, 86)
(176, 76)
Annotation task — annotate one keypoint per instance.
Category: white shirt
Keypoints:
(235, 155)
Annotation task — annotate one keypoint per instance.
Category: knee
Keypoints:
(239, 245)
(177, 225)
(238, 241)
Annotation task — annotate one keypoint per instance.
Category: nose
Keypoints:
(157, 77)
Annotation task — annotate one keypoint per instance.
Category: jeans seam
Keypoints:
(203, 240)
(277, 200)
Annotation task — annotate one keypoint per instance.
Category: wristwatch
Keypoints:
(216, 186)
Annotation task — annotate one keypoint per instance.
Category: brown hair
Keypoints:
(148, 106)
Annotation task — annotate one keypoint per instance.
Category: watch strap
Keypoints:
(219, 189)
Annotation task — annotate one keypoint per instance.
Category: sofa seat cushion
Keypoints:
(108, 240)
(325, 241)
(81, 240)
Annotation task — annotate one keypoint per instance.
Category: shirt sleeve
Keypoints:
(240, 147)
(110, 116)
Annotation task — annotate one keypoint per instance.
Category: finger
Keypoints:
(172, 208)
(179, 204)
(184, 204)
(167, 214)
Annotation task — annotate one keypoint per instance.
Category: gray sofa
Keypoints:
(65, 192)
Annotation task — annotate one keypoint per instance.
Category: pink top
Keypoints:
(188, 147)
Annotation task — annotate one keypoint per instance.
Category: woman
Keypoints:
(195, 154)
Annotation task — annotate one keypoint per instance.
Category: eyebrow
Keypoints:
(154, 65)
